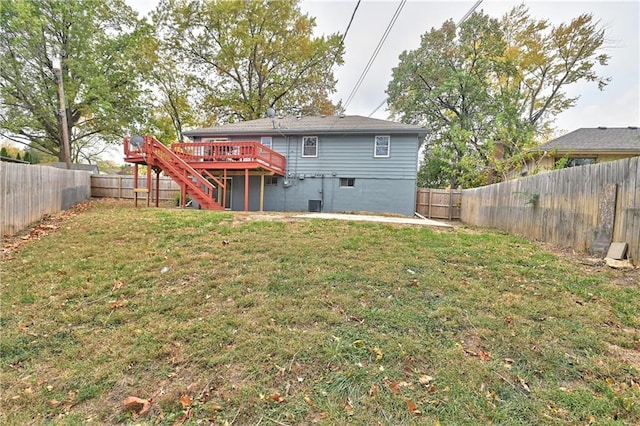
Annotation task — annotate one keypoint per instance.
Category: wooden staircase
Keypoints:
(153, 153)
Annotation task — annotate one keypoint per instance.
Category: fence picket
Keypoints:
(563, 206)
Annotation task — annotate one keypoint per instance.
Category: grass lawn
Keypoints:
(230, 318)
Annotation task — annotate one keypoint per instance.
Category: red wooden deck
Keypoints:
(191, 165)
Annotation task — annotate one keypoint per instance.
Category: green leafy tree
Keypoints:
(27, 157)
(97, 43)
(175, 96)
(4, 153)
(492, 81)
(248, 56)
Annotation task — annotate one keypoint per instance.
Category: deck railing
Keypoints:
(230, 151)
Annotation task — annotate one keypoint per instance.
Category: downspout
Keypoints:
(322, 193)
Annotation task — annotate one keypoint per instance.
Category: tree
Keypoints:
(175, 95)
(248, 56)
(4, 153)
(97, 44)
(491, 81)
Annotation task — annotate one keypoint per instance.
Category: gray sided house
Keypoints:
(333, 164)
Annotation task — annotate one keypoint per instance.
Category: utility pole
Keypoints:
(63, 119)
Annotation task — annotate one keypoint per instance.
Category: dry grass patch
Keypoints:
(245, 319)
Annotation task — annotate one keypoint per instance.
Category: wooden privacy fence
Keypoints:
(585, 207)
(28, 192)
(438, 203)
(115, 186)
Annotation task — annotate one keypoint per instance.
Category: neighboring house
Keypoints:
(585, 146)
(333, 164)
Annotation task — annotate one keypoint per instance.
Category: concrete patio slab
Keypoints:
(370, 218)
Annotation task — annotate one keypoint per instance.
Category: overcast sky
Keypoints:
(617, 106)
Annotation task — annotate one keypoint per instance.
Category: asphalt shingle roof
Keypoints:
(601, 139)
(304, 125)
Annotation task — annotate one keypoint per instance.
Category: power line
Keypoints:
(375, 53)
(350, 21)
(464, 18)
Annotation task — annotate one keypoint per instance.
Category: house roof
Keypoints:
(354, 124)
(597, 140)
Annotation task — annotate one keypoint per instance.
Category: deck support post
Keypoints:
(262, 192)
(149, 185)
(157, 186)
(224, 190)
(135, 184)
(246, 190)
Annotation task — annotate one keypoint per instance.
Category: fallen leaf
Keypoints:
(225, 242)
(309, 401)
(276, 397)
(54, 403)
(374, 389)
(185, 401)
(378, 352)
(117, 285)
(524, 384)
(414, 283)
(137, 403)
(394, 386)
(413, 408)
(348, 407)
(424, 379)
(483, 355)
(114, 304)
(358, 344)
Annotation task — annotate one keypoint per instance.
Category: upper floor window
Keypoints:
(382, 146)
(267, 141)
(309, 146)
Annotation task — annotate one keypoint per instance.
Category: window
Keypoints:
(309, 146)
(267, 141)
(347, 182)
(382, 146)
(270, 180)
(573, 162)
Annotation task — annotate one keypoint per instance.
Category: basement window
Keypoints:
(270, 180)
(347, 182)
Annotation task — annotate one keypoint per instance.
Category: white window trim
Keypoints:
(263, 138)
(317, 145)
(375, 146)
